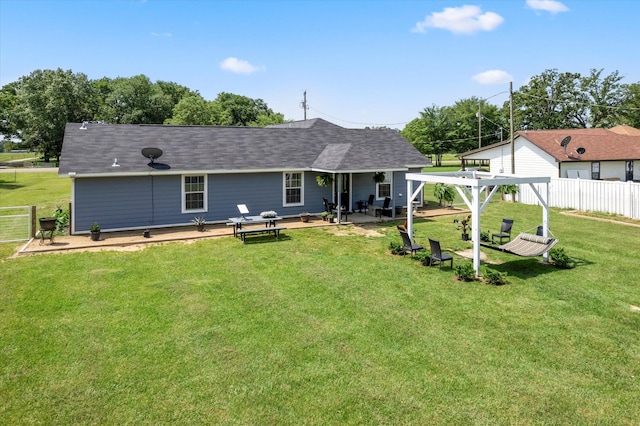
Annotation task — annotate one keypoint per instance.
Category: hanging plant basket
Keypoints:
(324, 179)
(379, 177)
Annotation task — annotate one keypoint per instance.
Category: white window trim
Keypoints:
(284, 190)
(388, 179)
(205, 198)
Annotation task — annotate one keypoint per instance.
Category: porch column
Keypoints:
(339, 200)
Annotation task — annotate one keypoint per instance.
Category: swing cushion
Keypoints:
(529, 245)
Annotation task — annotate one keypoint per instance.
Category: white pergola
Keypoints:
(469, 185)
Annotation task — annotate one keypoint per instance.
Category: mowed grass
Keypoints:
(324, 329)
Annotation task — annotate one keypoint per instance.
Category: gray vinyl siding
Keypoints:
(111, 202)
(146, 201)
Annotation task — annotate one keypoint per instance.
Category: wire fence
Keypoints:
(15, 224)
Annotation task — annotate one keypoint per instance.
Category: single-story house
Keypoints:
(607, 154)
(206, 171)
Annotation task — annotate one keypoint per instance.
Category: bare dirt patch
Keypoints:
(350, 230)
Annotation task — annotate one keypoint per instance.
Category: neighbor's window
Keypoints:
(293, 189)
(194, 193)
(383, 189)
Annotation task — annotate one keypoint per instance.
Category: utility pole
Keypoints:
(513, 149)
(304, 106)
(479, 124)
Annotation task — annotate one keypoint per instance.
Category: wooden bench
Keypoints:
(275, 229)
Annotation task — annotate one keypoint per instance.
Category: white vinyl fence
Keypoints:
(622, 198)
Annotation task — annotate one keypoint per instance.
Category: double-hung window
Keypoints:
(293, 188)
(194, 193)
(383, 189)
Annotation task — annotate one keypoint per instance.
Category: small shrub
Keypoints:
(62, 219)
(493, 277)
(397, 249)
(465, 271)
(485, 236)
(561, 259)
(424, 257)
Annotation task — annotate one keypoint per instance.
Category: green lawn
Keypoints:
(324, 329)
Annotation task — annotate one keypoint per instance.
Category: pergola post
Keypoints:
(410, 207)
(475, 227)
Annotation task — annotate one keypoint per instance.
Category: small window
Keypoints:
(293, 185)
(595, 170)
(383, 189)
(194, 194)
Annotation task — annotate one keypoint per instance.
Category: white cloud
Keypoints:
(460, 20)
(239, 66)
(552, 6)
(492, 77)
(162, 34)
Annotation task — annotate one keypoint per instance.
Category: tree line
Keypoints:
(37, 107)
(551, 100)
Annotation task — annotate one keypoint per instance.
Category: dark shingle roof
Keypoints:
(233, 149)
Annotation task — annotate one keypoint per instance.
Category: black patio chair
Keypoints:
(332, 208)
(328, 207)
(385, 209)
(437, 256)
(409, 245)
(368, 203)
(505, 231)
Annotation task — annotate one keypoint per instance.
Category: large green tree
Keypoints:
(45, 101)
(631, 106)
(554, 100)
(244, 111)
(8, 99)
(135, 100)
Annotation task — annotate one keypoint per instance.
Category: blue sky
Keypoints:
(362, 63)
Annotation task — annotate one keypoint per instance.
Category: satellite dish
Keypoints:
(565, 141)
(581, 151)
(152, 153)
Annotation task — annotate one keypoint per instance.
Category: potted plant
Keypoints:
(304, 217)
(444, 193)
(324, 179)
(464, 225)
(331, 217)
(511, 189)
(324, 215)
(94, 229)
(200, 223)
(379, 177)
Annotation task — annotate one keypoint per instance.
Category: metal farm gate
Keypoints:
(15, 224)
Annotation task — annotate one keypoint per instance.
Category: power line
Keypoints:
(355, 122)
(589, 105)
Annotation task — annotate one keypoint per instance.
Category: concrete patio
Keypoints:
(133, 239)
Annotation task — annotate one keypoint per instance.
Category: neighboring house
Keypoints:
(607, 154)
(208, 170)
